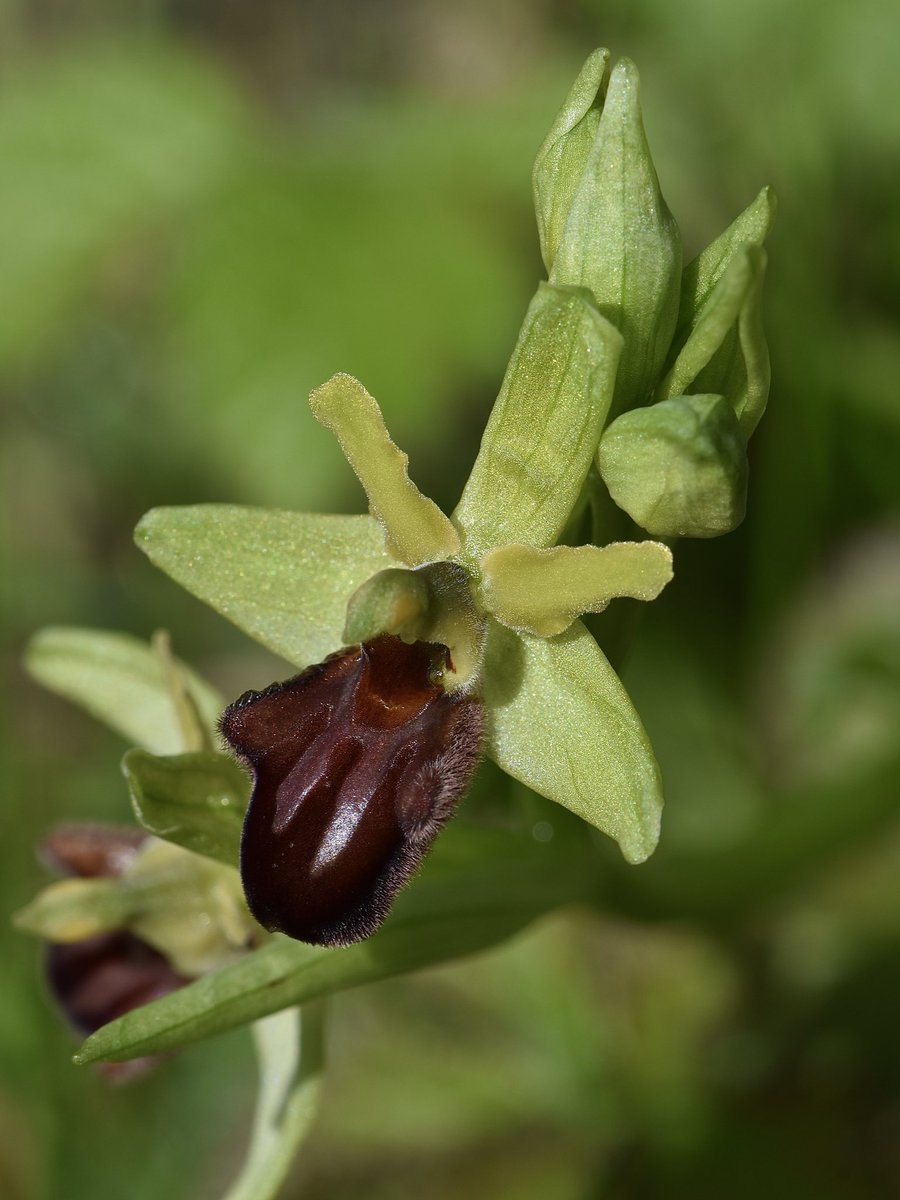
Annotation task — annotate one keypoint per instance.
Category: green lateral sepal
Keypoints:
(281, 577)
(126, 684)
(197, 801)
(560, 721)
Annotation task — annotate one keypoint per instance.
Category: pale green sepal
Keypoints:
(416, 529)
(702, 274)
(621, 241)
(560, 721)
(74, 909)
(542, 591)
(714, 322)
(461, 904)
(564, 154)
(290, 1053)
(679, 467)
(197, 801)
(282, 577)
(544, 428)
(121, 681)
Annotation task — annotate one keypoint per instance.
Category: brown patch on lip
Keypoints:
(358, 762)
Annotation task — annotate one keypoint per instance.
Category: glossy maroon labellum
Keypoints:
(100, 978)
(357, 763)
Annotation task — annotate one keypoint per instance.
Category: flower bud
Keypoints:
(619, 239)
(678, 468)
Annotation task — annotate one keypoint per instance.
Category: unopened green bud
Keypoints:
(562, 158)
(720, 344)
(679, 467)
(725, 352)
(702, 274)
(620, 240)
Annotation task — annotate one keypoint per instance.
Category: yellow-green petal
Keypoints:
(416, 529)
(560, 721)
(543, 591)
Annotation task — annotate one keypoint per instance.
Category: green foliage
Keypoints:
(748, 1043)
(122, 682)
(194, 800)
(496, 887)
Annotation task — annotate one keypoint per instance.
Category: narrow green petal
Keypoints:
(417, 531)
(622, 242)
(121, 681)
(282, 577)
(197, 801)
(290, 1052)
(562, 723)
(543, 591)
(563, 156)
(544, 428)
(702, 274)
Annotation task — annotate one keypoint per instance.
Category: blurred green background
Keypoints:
(207, 208)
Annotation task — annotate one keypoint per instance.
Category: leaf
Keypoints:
(544, 428)
(543, 591)
(290, 1054)
(473, 893)
(197, 801)
(560, 721)
(416, 529)
(282, 577)
(621, 241)
(120, 681)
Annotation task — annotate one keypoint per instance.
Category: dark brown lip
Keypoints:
(358, 762)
